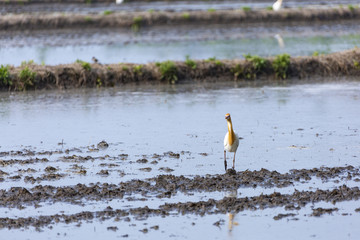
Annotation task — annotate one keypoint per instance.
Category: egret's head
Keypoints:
(227, 116)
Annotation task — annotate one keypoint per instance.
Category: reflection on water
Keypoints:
(161, 51)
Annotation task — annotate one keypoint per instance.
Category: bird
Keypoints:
(119, 1)
(231, 140)
(277, 5)
(94, 59)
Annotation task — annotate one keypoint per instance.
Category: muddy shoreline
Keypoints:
(83, 74)
(137, 20)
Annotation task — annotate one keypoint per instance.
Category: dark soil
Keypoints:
(164, 186)
(80, 75)
(225, 205)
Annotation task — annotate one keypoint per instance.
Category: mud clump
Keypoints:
(281, 216)
(317, 212)
(102, 145)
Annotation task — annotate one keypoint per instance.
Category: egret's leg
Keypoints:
(234, 161)
(225, 163)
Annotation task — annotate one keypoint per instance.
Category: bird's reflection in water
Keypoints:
(232, 223)
(280, 40)
(231, 215)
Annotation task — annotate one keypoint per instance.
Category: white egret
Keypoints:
(119, 1)
(231, 141)
(277, 5)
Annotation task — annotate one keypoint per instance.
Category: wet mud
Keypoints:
(137, 20)
(165, 186)
(225, 205)
(84, 74)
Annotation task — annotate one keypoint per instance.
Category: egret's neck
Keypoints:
(231, 132)
(280, 1)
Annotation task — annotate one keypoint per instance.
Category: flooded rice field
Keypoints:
(165, 43)
(164, 6)
(147, 162)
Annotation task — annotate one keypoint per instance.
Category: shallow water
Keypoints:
(284, 127)
(167, 6)
(145, 51)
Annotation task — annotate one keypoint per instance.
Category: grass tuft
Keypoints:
(281, 65)
(168, 71)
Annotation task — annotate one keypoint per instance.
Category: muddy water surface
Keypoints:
(51, 138)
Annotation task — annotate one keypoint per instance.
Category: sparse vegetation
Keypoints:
(211, 10)
(26, 63)
(27, 78)
(315, 54)
(151, 10)
(246, 9)
(98, 83)
(237, 71)
(137, 69)
(88, 19)
(211, 59)
(5, 76)
(108, 12)
(85, 65)
(190, 63)
(356, 64)
(136, 23)
(258, 64)
(186, 15)
(168, 71)
(351, 7)
(269, 8)
(214, 60)
(281, 65)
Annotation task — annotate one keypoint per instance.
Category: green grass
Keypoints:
(85, 65)
(211, 59)
(150, 10)
(246, 9)
(26, 63)
(88, 19)
(351, 7)
(269, 8)
(27, 77)
(315, 54)
(190, 63)
(257, 62)
(108, 12)
(281, 65)
(98, 83)
(5, 76)
(356, 64)
(211, 10)
(136, 23)
(138, 69)
(168, 71)
(186, 15)
(237, 71)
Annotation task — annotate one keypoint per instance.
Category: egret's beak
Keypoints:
(227, 116)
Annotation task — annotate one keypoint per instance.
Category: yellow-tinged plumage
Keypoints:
(231, 140)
